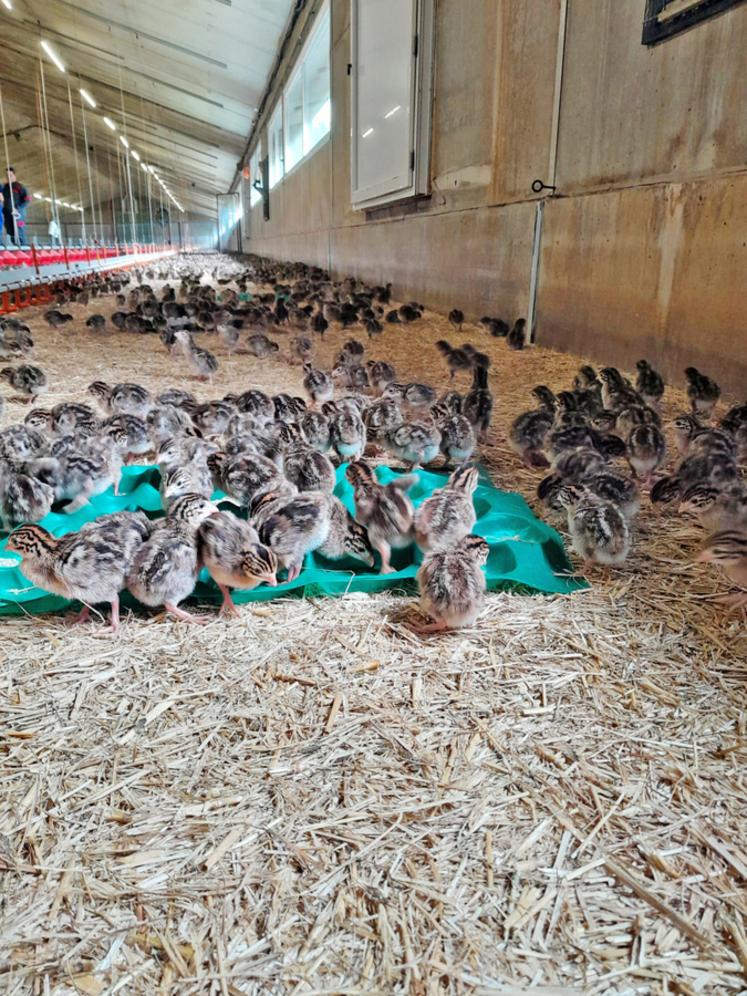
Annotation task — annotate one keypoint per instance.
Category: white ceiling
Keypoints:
(182, 79)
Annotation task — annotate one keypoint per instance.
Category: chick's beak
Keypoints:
(271, 580)
(704, 556)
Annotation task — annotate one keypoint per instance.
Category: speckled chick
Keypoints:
(23, 498)
(347, 434)
(166, 566)
(234, 557)
(89, 566)
(458, 438)
(384, 510)
(448, 515)
(292, 526)
(295, 525)
(452, 585)
(122, 399)
(728, 549)
(599, 529)
(28, 380)
(414, 443)
(318, 384)
(244, 476)
(305, 467)
(202, 361)
(646, 450)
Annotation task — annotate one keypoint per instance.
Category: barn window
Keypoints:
(391, 69)
(275, 145)
(306, 99)
(665, 18)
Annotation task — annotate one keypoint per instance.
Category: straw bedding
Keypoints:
(312, 799)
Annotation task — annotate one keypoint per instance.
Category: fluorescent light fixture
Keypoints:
(53, 56)
(39, 197)
(393, 111)
(8, 4)
(144, 167)
(81, 210)
(124, 141)
(135, 155)
(48, 200)
(87, 97)
(109, 123)
(367, 132)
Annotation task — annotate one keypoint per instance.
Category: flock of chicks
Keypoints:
(578, 433)
(275, 457)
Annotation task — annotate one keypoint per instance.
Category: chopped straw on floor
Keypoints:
(312, 799)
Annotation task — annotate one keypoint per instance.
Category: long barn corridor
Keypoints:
(373, 548)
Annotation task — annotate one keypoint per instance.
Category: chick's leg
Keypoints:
(83, 616)
(384, 551)
(437, 626)
(115, 614)
(174, 610)
(229, 606)
(78, 502)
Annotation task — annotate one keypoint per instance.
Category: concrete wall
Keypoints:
(643, 246)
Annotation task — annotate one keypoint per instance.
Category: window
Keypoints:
(391, 106)
(665, 18)
(229, 220)
(255, 196)
(317, 107)
(306, 100)
(293, 108)
(275, 145)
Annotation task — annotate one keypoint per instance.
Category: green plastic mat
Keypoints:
(525, 554)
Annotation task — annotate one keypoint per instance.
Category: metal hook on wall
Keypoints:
(539, 185)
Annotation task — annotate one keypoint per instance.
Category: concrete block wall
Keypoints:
(644, 244)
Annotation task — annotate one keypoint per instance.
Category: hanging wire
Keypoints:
(121, 191)
(111, 191)
(145, 116)
(88, 168)
(53, 184)
(77, 165)
(127, 158)
(150, 206)
(42, 142)
(99, 198)
(7, 163)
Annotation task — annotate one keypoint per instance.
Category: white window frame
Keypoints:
(277, 115)
(298, 68)
(289, 84)
(418, 182)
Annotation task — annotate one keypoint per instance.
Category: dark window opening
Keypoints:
(665, 18)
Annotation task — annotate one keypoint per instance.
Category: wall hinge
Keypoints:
(415, 45)
(412, 161)
(350, 68)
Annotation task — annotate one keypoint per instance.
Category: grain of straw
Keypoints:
(312, 799)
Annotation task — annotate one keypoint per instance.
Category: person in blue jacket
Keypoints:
(15, 201)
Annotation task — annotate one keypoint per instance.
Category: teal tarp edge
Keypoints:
(526, 554)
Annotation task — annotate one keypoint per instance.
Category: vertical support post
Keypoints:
(534, 272)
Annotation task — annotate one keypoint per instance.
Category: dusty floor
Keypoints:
(311, 799)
